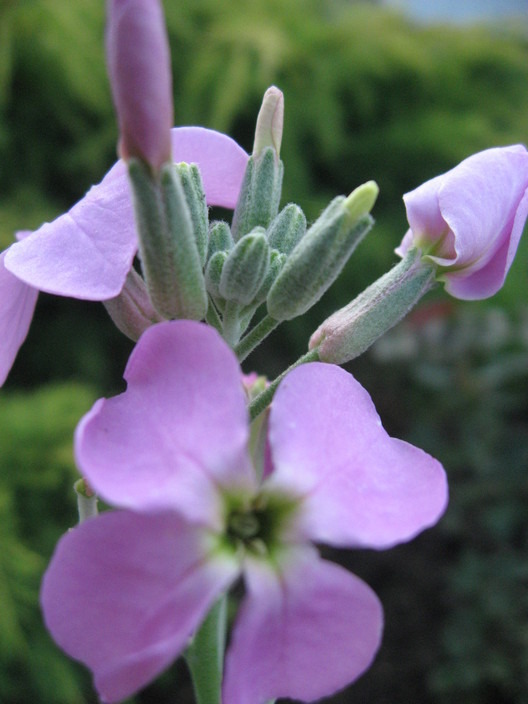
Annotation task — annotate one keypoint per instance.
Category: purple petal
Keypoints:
(361, 487)
(473, 216)
(222, 162)
(87, 252)
(178, 432)
(138, 57)
(486, 279)
(124, 592)
(306, 629)
(17, 305)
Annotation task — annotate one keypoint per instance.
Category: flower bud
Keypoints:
(349, 332)
(167, 246)
(245, 268)
(468, 221)
(259, 198)
(138, 59)
(287, 229)
(270, 121)
(220, 238)
(321, 254)
(213, 274)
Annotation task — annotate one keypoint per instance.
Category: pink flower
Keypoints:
(87, 252)
(138, 57)
(125, 591)
(469, 220)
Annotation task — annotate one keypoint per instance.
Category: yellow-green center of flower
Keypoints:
(258, 525)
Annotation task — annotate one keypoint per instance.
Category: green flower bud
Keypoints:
(259, 198)
(213, 273)
(245, 268)
(352, 330)
(319, 257)
(167, 246)
(287, 229)
(220, 238)
(191, 181)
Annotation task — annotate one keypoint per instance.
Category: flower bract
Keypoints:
(126, 590)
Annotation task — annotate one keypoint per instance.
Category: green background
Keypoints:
(367, 95)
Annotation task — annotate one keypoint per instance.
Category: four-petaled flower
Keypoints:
(88, 252)
(469, 220)
(126, 590)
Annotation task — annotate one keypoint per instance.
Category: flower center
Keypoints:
(243, 526)
(259, 525)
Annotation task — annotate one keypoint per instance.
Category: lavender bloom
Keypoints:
(88, 252)
(138, 57)
(18, 303)
(469, 220)
(125, 591)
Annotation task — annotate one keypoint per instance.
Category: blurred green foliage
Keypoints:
(368, 95)
(36, 505)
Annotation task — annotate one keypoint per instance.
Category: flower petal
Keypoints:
(472, 217)
(486, 280)
(87, 252)
(178, 432)
(361, 487)
(18, 302)
(124, 592)
(304, 631)
(478, 200)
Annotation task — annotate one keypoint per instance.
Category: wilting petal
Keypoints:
(306, 629)
(17, 303)
(87, 252)
(178, 432)
(124, 592)
(361, 487)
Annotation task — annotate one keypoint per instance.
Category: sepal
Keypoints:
(169, 254)
(245, 268)
(131, 311)
(259, 198)
(287, 229)
(213, 274)
(191, 181)
(319, 257)
(220, 238)
(352, 330)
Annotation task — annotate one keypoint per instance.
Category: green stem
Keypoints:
(255, 336)
(262, 401)
(205, 655)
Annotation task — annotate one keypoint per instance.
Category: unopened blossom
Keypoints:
(469, 220)
(126, 590)
(138, 58)
(88, 252)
